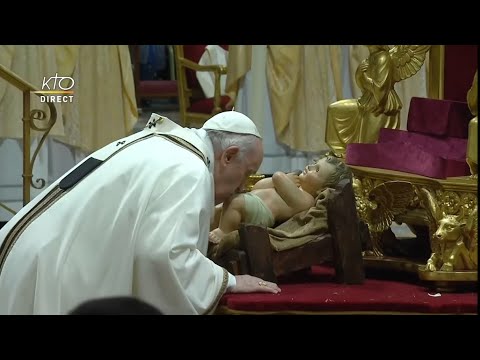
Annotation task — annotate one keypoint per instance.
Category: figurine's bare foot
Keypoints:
(215, 236)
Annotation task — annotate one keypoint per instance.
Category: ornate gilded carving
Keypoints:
(360, 120)
(378, 203)
(252, 180)
(455, 202)
(416, 201)
(454, 243)
(453, 229)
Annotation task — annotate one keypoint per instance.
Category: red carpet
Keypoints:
(316, 291)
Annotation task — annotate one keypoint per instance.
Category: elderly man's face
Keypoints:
(232, 172)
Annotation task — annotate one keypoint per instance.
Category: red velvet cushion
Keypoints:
(205, 106)
(318, 291)
(406, 157)
(439, 117)
(435, 144)
(154, 87)
(448, 148)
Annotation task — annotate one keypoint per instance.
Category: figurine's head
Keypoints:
(449, 228)
(324, 173)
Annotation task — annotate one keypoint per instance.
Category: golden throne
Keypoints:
(443, 195)
(194, 106)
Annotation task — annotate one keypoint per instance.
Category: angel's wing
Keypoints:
(407, 60)
(430, 204)
(388, 200)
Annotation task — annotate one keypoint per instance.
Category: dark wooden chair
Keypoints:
(341, 246)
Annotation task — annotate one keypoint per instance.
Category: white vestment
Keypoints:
(137, 225)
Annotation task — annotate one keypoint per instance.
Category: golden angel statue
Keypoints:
(360, 120)
(379, 206)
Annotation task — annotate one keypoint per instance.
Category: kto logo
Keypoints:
(57, 89)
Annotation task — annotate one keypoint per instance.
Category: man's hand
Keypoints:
(249, 284)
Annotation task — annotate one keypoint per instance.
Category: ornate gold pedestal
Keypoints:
(447, 207)
(391, 263)
(449, 281)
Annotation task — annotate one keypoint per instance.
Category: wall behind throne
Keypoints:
(461, 61)
(452, 68)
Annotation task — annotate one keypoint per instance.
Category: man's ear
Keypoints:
(230, 153)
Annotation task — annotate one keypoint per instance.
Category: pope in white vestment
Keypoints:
(131, 219)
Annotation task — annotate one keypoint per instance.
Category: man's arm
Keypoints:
(290, 193)
(171, 270)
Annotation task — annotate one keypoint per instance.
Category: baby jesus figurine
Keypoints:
(278, 198)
